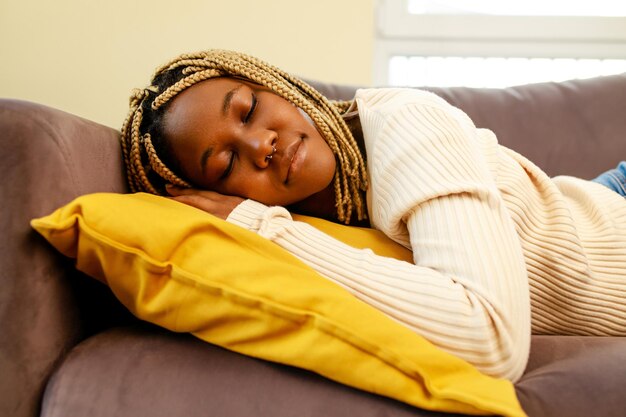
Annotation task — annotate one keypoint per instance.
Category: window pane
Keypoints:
(520, 8)
(494, 72)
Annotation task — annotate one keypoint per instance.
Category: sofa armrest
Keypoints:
(48, 158)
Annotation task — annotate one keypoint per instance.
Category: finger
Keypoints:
(195, 201)
(175, 190)
(211, 195)
(172, 189)
(219, 210)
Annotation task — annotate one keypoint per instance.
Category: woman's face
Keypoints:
(223, 131)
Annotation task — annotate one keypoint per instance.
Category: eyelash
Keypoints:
(229, 168)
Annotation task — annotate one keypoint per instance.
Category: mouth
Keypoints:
(293, 159)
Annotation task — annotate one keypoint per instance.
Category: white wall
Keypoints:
(84, 56)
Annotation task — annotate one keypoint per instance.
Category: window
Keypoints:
(526, 8)
(496, 43)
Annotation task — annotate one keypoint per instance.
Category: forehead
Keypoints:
(202, 100)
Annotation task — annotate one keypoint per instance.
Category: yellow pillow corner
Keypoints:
(58, 229)
(180, 268)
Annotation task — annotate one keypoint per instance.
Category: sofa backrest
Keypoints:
(571, 128)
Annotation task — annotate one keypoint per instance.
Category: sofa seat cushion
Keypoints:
(146, 371)
(575, 376)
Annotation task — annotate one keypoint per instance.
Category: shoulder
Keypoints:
(383, 100)
(409, 107)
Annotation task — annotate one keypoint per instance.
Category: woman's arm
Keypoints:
(457, 316)
(433, 189)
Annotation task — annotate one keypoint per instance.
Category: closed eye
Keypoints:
(229, 167)
(252, 108)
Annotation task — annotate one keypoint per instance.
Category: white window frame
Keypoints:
(401, 33)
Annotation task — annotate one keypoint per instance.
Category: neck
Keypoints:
(321, 204)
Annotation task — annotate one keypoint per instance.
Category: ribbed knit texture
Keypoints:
(487, 229)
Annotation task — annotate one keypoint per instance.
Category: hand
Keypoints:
(217, 204)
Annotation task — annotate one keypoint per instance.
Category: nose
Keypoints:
(260, 145)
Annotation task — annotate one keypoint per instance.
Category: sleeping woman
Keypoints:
(500, 250)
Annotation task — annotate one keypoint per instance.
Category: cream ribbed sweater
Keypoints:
(494, 240)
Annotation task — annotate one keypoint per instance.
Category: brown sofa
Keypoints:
(69, 349)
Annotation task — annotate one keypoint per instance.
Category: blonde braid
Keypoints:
(147, 172)
(183, 84)
(135, 100)
(163, 170)
(342, 105)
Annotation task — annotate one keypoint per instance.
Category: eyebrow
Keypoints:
(228, 98)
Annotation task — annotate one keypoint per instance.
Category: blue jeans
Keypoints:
(615, 179)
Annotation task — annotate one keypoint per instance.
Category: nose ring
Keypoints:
(268, 157)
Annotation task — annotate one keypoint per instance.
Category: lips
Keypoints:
(292, 159)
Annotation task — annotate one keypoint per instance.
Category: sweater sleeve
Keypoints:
(467, 291)
(433, 189)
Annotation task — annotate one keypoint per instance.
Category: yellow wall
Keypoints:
(84, 56)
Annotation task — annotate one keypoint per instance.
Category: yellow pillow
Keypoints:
(187, 271)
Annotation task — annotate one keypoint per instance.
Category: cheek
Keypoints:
(182, 161)
(255, 187)
(327, 159)
(243, 186)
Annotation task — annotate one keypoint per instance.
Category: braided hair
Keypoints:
(148, 156)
